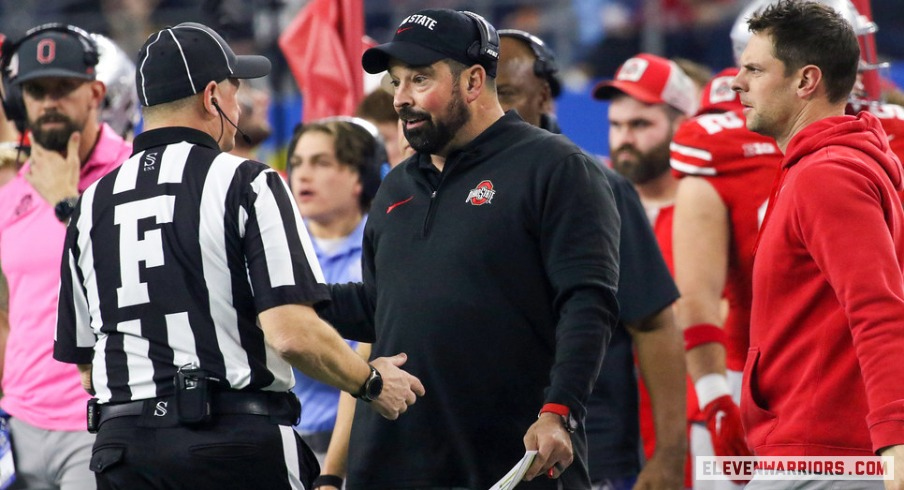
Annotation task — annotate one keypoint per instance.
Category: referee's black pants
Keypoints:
(238, 452)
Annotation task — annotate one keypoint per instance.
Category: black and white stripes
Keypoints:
(169, 259)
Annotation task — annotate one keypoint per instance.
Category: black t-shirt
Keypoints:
(644, 288)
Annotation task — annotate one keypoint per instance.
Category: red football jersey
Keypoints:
(662, 227)
(740, 165)
(892, 118)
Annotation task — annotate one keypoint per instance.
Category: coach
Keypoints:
(186, 293)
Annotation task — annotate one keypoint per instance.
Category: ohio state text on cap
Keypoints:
(426, 37)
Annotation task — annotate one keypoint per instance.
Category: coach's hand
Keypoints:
(53, 175)
(553, 445)
(400, 388)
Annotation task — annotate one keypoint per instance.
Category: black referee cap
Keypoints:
(179, 61)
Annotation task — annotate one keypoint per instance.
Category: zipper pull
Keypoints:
(432, 194)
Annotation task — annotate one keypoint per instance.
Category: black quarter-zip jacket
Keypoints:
(497, 278)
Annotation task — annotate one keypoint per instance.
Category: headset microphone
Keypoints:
(245, 137)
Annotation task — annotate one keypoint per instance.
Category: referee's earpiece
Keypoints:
(216, 105)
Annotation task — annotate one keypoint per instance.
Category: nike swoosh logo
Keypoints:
(403, 29)
(393, 206)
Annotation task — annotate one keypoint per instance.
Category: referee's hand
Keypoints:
(400, 388)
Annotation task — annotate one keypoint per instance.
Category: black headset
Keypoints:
(545, 65)
(371, 163)
(11, 96)
(485, 51)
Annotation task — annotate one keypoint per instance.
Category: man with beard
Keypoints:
(648, 99)
(54, 66)
(490, 257)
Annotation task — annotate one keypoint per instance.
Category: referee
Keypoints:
(186, 292)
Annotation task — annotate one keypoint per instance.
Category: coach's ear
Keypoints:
(809, 80)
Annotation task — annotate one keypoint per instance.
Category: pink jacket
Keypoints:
(36, 388)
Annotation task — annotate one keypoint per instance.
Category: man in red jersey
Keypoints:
(726, 172)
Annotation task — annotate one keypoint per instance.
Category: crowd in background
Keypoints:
(591, 38)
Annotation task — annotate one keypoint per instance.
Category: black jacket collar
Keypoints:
(166, 136)
(494, 139)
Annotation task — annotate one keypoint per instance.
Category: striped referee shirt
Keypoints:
(169, 259)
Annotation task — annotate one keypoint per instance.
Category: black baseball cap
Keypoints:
(54, 51)
(179, 61)
(426, 37)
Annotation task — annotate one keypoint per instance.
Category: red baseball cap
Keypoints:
(652, 80)
(718, 96)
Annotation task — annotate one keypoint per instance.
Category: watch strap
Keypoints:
(364, 391)
(328, 480)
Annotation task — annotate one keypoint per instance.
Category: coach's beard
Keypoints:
(56, 139)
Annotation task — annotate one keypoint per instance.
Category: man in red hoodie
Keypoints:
(828, 293)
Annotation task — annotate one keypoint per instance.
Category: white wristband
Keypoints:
(710, 387)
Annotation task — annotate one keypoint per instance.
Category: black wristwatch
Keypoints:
(570, 423)
(65, 208)
(371, 388)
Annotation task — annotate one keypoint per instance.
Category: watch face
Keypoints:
(571, 424)
(65, 208)
(375, 387)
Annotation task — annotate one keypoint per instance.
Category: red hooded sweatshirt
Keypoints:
(824, 374)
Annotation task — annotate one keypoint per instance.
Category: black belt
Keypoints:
(222, 403)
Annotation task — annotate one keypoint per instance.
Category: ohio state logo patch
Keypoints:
(482, 194)
(46, 51)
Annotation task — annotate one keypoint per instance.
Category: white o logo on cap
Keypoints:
(633, 69)
(46, 51)
(721, 91)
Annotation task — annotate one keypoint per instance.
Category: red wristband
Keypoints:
(703, 333)
(556, 408)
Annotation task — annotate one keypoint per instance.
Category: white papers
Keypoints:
(514, 476)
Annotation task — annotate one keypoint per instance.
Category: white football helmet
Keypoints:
(116, 69)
